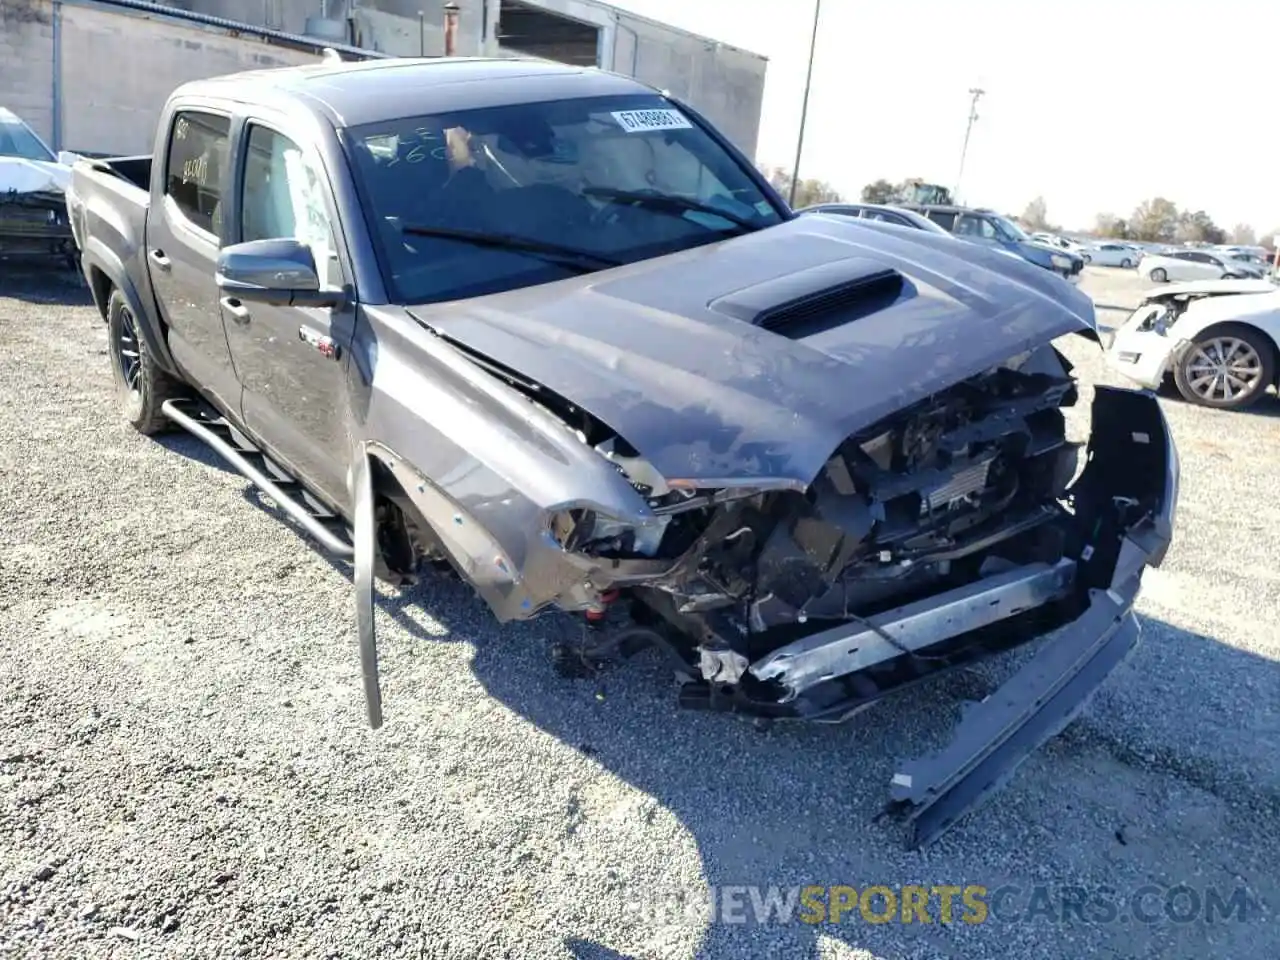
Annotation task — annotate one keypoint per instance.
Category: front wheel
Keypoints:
(1126, 264)
(1227, 367)
(140, 385)
(1158, 275)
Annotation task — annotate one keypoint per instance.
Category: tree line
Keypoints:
(1158, 220)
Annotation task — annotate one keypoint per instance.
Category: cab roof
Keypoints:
(351, 94)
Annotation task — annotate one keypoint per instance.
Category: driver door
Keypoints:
(292, 361)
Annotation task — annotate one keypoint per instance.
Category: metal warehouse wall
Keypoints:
(724, 82)
(114, 69)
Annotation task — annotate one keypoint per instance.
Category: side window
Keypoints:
(943, 219)
(284, 198)
(970, 226)
(196, 162)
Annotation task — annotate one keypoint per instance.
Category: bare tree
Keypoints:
(878, 191)
(1109, 225)
(1198, 227)
(1154, 220)
(1243, 234)
(808, 192)
(1036, 216)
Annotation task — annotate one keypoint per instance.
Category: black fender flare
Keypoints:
(96, 255)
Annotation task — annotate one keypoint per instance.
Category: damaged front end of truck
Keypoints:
(949, 533)
(850, 508)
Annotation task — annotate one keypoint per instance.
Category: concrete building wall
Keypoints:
(114, 69)
(26, 62)
(115, 110)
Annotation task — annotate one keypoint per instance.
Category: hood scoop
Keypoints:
(809, 301)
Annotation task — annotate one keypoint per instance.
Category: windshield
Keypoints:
(618, 178)
(17, 140)
(1010, 229)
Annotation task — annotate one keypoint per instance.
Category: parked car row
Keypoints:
(1197, 264)
(980, 226)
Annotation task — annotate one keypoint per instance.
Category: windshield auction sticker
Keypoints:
(638, 121)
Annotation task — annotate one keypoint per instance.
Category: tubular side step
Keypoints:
(323, 526)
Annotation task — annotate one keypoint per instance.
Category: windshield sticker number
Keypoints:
(641, 121)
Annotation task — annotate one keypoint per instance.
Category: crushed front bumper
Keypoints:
(1120, 514)
(1142, 356)
(35, 225)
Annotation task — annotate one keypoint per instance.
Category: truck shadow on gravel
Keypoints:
(795, 805)
(43, 284)
(799, 805)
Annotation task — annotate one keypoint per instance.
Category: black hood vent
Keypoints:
(810, 301)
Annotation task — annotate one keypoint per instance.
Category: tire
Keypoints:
(1126, 264)
(1158, 275)
(141, 386)
(1244, 351)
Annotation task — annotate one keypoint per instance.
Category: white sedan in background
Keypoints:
(1108, 254)
(1192, 265)
(1217, 339)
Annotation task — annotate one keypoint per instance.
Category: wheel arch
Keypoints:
(106, 272)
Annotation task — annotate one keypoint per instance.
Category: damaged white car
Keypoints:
(33, 209)
(1215, 339)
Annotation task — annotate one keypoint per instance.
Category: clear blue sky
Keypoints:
(1094, 105)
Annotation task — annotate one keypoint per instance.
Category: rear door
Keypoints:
(184, 226)
(979, 229)
(1203, 266)
(292, 361)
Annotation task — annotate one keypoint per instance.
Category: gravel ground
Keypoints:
(185, 769)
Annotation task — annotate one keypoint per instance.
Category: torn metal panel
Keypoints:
(849, 648)
(1036, 703)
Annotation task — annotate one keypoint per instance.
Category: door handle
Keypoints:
(160, 260)
(239, 312)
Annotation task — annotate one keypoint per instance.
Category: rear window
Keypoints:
(198, 146)
(942, 218)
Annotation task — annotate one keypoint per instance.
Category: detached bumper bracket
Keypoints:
(934, 793)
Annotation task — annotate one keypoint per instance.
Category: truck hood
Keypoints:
(748, 361)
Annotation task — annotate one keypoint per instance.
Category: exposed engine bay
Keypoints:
(932, 498)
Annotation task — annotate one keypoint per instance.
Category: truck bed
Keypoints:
(107, 204)
(135, 170)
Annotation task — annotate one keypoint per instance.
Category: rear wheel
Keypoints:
(1159, 275)
(140, 385)
(1227, 367)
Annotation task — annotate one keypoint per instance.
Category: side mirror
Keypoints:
(67, 158)
(280, 272)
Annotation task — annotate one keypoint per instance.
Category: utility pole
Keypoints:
(804, 109)
(975, 93)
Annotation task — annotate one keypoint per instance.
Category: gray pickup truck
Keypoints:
(545, 327)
